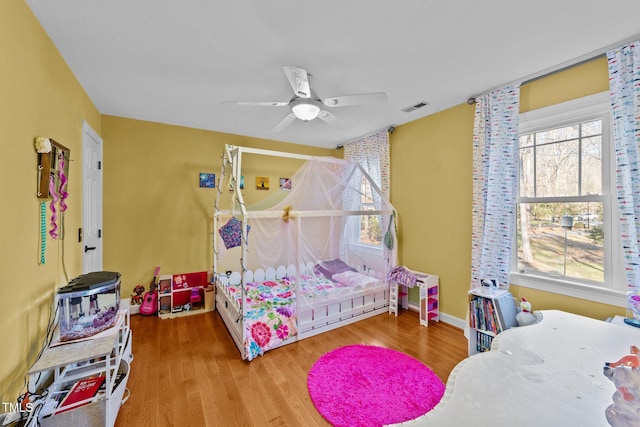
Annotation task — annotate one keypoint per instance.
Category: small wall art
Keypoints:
(285, 183)
(207, 180)
(262, 182)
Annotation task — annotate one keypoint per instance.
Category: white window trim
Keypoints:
(567, 113)
(354, 235)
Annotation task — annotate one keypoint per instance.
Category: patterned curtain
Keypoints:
(372, 152)
(624, 88)
(495, 179)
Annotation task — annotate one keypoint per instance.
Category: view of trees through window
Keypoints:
(560, 209)
(370, 228)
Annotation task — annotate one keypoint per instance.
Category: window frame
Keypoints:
(613, 289)
(355, 236)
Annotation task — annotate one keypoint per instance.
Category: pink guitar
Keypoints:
(150, 302)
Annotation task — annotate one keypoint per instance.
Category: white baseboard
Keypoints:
(133, 309)
(455, 321)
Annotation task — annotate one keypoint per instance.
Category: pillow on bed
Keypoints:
(331, 267)
(352, 278)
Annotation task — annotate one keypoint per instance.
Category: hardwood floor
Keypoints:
(188, 371)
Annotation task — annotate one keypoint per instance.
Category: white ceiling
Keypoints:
(175, 61)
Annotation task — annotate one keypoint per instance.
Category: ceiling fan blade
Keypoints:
(364, 98)
(289, 118)
(299, 80)
(333, 120)
(258, 103)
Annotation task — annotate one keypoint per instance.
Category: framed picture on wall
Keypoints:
(285, 183)
(262, 182)
(207, 180)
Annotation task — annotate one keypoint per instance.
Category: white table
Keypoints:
(542, 375)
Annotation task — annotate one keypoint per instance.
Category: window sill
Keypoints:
(366, 256)
(366, 248)
(570, 289)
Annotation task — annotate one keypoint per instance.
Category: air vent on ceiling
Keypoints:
(413, 107)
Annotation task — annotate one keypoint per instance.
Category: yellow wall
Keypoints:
(431, 189)
(431, 180)
(39, 97)
(155, 213)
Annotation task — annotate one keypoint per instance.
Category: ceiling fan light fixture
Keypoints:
(306, 108)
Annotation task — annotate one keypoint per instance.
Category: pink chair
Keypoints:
(195, 296)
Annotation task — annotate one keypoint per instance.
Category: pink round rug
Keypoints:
(363, 385)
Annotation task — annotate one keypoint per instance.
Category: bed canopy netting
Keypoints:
(304, 260)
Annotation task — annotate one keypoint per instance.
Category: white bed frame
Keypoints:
(334, 313)
(359, 305)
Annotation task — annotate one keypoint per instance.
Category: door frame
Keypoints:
(89, 136)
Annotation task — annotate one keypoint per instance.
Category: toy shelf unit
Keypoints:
(429, 299)
(490, 312)
(185, 294)
(429, 294)
(89, 377)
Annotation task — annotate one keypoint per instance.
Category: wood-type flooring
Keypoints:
(188, 372)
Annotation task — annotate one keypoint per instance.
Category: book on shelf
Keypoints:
(506, 308)
(83, 389)
(492, 313)
(483, 316)
(483, 341)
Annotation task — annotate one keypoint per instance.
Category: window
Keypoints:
(370, 227)
(566, 234)
(372, 153)
(560, 228)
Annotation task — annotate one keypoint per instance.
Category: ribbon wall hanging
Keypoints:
(53, 171)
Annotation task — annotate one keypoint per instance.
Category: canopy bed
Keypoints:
(309, 258)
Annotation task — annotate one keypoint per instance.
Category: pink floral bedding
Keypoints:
(270, 315)
(270, 309)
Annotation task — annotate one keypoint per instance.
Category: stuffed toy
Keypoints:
(625, 374)
(525, 316)
(137, 298)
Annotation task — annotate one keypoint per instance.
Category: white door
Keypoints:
(91, 200)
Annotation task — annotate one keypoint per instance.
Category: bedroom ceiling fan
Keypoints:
(306, 105)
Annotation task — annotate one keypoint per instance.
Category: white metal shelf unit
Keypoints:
(109, 354)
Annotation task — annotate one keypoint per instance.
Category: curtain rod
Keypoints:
(389, 129)
(563, 66)
(472, 100)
